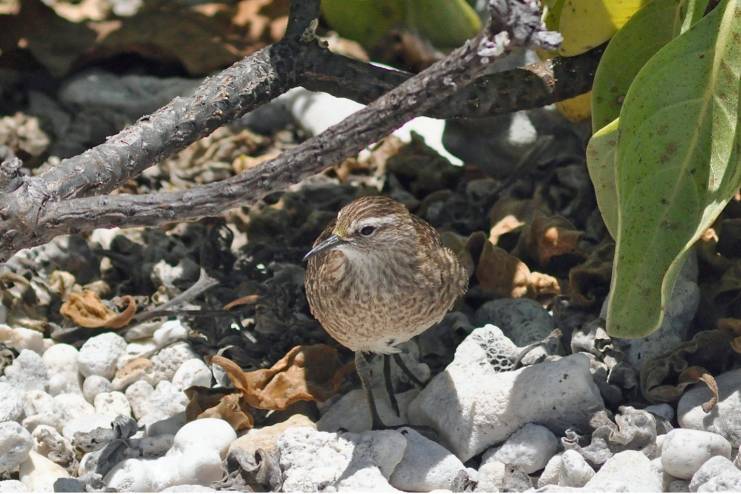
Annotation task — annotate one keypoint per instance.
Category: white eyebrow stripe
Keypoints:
(378, 221)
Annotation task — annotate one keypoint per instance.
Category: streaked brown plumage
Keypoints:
(373, 292)
(378, 276)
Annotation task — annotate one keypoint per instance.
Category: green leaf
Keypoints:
(628, 51)
(364, 21)
(446, 23)
(678, 164)
(601, 159)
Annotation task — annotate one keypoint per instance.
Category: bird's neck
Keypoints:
(376, 268)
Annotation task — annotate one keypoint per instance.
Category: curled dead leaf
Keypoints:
(665, 377)
(501, 273)
(734, 327)
(589, 282)
(504, 275)
(85, 309)
(547, 237)
(218, 403)
(309, 372)
(695, 374)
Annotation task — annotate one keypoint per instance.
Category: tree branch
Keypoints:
(531, 86)
(56, 202)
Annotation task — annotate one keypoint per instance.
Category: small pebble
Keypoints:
(138, 396)
(627, 471)
(50, 443)
(551, 472)
(170, 332)
(73, 405)
(12, 485)
(193, 372)
(212, 434)
(21, 338)
(169, 359)
(684, 451)
(427, 466)
(86, 423)
(134, 370)
(38, 473)
(528, 449)
(11, 403)
(717, 474)
(491, 476)
(63, 370)
(113, 403)
(27, 372)
(94, 385)
(15, 445)
(39, 408)
(99, 354)
(724, 418)
(575, 471)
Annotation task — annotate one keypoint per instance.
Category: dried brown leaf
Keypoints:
(547, 237)
(246, 300)
(589, 282)
(501, 273)
(219, 404)
(695, 374)
(85, 309)
(310, 372)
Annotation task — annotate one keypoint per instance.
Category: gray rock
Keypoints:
(321, 461)
(717, 474)
(99, 354)
(27, 372)
(678, 485)
(351, 411)
(472, 406)
(684, 451)
(724, 418)
(627, 471)
(574, 471)
(130, 95)
(663, 410)
(528, 449)
(15, 445)
(11, 404)
(427, 466)
(522, 320)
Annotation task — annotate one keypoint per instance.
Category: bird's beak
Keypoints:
(326, 244)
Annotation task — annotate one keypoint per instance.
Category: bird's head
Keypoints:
(369, 226)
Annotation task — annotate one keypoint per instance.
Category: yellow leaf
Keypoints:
(577, 108)
(586, 24)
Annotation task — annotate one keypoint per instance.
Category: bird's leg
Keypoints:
(362, 365)
(389, 386)
(400, 362)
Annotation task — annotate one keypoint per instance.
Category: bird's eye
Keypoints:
(367, 231)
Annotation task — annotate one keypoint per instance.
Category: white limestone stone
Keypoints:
(528, 449)
(99, 354)
(15, 446)
(627, 471)
(684, 451)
